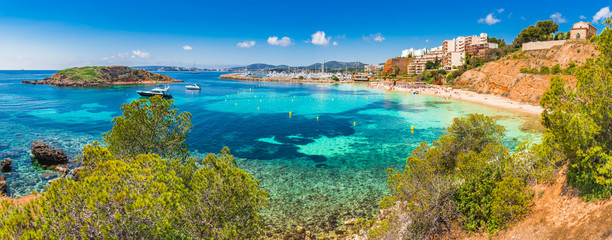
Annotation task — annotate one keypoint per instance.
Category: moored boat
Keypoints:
(195, 86)
(156, 92)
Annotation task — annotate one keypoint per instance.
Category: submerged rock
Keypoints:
(5, 165)
(3, 185)
(46, 155)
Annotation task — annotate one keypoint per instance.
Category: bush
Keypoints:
(453, 75)
(544, 70)
(466, 175)
(556, 69)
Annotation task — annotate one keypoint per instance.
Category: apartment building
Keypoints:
(417, 65)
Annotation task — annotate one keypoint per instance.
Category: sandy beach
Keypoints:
(464, 95)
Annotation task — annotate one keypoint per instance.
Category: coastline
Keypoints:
(240, 77)
(464, 95)
(430, 90)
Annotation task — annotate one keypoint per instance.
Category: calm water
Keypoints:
(317, 171)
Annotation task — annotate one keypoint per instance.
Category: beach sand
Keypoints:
(464, 95)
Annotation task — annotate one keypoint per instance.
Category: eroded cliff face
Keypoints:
(401, 62)
(504, 78)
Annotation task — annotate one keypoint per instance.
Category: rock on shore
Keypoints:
(5, 165)
(102, 77)
(45, 155)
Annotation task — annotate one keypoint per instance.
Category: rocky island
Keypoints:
(102, 76)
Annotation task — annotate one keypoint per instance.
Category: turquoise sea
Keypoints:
(323, 164)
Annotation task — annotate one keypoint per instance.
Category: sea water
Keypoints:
(321, 150)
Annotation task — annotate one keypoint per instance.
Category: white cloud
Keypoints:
(140, 54)
(187, 48)
(582, 17)
(501, 10)
(319, 38)
(283, 42)
(557, 17)
(123, 55)
(524, 19)
(374, 37)
(602, 14)
(246, 44)
(335, 43)
(489, 19)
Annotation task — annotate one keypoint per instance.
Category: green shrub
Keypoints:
(453, 75)
(544, 70)
(556, 69)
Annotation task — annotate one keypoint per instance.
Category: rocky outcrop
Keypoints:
(3, 185)
(401, 62)
(5, 165)
(45, 155)
(504, 78)
(102, 77)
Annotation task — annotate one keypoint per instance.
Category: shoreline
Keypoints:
(464, 95)
(430, 90)
(239, 77)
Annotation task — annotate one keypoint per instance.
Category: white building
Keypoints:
(414, 52)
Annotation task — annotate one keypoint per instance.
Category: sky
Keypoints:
(36, 34)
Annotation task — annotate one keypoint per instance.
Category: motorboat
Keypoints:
(195, 86)
(156, 92)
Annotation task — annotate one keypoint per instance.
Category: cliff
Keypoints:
(401, 62)
(102, 76)
(504, 78)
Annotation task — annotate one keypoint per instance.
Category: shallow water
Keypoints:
(318, 171)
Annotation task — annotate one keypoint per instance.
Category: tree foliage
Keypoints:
(579, 121)
(542, 31)
(150, 125)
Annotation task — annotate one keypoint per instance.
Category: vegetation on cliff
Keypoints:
(138, 194)
(578, 121)
(465, 178)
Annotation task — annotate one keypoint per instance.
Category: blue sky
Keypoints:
(58, 34)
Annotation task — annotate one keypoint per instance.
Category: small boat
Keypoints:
(156, 92)
(195, 86)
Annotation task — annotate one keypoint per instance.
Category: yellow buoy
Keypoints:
(257, 108)
(412, 129)
(317, 118)
(354, 123)
(236, 104)
(289, 114)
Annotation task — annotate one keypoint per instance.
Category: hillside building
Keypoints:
(582, 31)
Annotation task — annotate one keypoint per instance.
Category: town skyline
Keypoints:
(57, 35)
